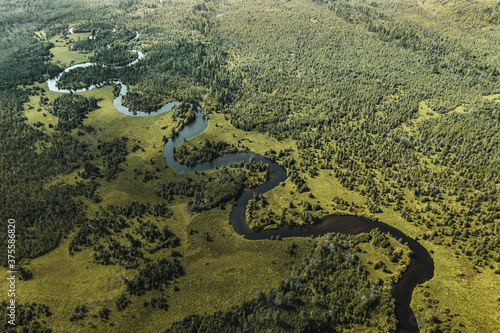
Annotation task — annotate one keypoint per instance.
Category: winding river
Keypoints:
(421, 266)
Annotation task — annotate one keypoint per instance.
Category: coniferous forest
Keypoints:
(132, 199)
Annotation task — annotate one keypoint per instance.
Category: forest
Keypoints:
(373, 108)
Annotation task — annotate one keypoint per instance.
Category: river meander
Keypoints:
(421, 267)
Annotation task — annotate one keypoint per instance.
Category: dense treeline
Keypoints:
(113, 153)
(190, 60)
(26, 64)
(329, 289)
(436, 68)
(179, 70)
(140, 101)
(36, 15)
(185, 112)
(71, 110)
(29, 159)
(207, 152)
(116, 55)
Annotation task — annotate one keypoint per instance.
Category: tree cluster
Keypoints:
(154, 276)
(210, 191)
(44, 212)
(328, 290)
(30, 317)
(71, 110)
(207, 152)
(26, 64)
(123, 235)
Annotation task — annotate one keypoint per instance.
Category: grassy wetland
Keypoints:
(376, 109)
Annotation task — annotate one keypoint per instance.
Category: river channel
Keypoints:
(421, 267)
